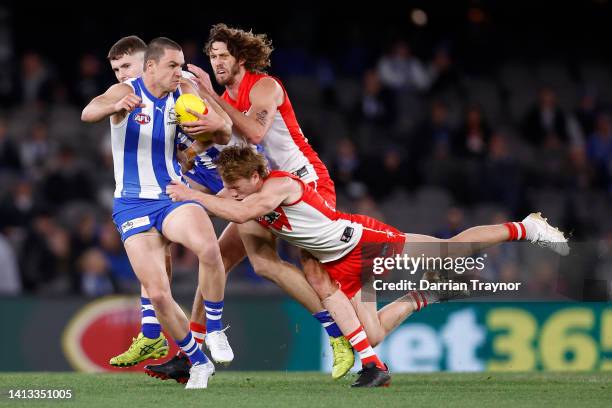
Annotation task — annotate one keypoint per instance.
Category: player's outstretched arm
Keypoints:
(272, 194)
(118, 100)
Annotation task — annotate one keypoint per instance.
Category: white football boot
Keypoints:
(539, 231)
(199, 375)
(219, 347)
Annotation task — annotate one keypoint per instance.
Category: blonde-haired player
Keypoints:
(292, 210)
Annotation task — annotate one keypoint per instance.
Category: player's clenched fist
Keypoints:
(129, 103)
(179, 192)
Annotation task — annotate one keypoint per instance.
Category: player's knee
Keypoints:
(319, 280)
(207, 251)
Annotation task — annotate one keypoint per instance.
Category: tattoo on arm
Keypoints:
(261, 117)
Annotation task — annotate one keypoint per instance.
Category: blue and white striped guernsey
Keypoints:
(207, 158)
(144, 146)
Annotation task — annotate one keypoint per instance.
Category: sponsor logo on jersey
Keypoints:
(270, 218)
(135, 223)
(301, 172)
(276, 219)
(142, 118)
(347, 234)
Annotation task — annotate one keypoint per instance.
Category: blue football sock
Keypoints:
(328, 323)
(150, 325)
(190, 347)
(214, 313)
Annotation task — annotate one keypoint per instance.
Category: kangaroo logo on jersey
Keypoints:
(172, 120)
(142, 118)
(276, 219)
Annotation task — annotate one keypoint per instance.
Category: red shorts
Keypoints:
(326, 189)
(356, 266)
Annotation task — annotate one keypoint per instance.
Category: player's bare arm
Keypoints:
(266, 96)
(273, 193)
(117, 101)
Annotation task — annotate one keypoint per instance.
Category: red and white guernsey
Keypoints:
(284, 145)
(312, 224)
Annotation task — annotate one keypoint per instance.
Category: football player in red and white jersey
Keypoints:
(295, 212)
(262, 113)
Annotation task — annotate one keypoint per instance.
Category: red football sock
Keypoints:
(421, 299)
(517, 231)
(198, 331)
(360, 343)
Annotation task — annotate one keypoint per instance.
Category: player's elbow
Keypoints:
(85, 117)
(88, 116)
(224, 136)
(255, 137)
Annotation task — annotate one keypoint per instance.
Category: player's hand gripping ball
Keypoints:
(189, 101)
(196, 104)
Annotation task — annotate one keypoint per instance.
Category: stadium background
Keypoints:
(428, 116)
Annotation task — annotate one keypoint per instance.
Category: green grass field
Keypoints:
(291, 389)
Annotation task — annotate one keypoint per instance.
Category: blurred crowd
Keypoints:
(415, 139)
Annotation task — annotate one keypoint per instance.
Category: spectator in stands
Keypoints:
(33, 82)
(344, 164)
(377, 105)
(586, 112)
(599, 150)
(384, 173)
(501, 164)
(472, 139)
(90, 81)
(400, 70)
(455, 224)
(120, 268)
(83, 236)
(443, 73)
(67, 180)
(434, 135)
(580, 173)
(10, 280)
(9, 153)
(36, 149)
(45, 260)
(545, 125)
(94, 272)
(18, 206)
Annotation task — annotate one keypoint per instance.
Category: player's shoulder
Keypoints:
(122, 88)
(267, 84)
(277, 178)
(283, 181)
(267, 89)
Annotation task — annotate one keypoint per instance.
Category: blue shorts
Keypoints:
(209, 178)
(136, 215)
